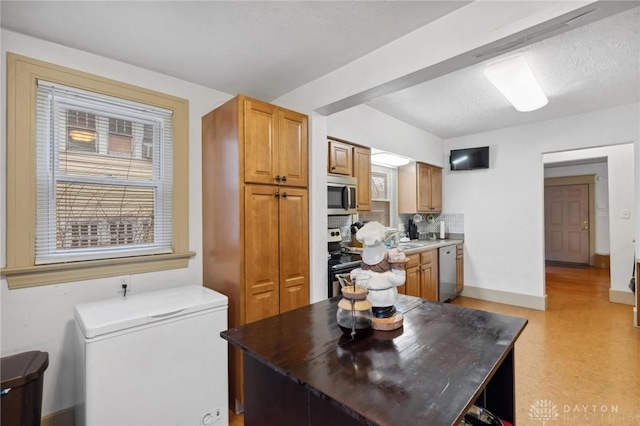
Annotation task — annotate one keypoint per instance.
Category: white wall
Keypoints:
(621, 190)
(367, 126)
(503, 205)
(601, 189)
(41, 318)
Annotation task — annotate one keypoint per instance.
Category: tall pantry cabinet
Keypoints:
(255, 214)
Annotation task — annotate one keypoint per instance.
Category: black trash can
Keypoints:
(22, 378)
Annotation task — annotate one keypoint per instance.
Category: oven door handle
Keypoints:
(346, 198)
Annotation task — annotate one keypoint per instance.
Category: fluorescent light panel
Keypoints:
(388, 159)
(515, 80)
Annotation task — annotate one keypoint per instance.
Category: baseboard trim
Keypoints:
(622, 296)
(64, 417)
(516, 299)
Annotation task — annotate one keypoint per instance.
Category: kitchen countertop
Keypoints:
(410, 247)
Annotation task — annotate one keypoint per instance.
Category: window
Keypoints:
(115, 205)
(383, 194)
(101, 207)
(81, 131)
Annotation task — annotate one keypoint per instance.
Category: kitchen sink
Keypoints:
(409, 246)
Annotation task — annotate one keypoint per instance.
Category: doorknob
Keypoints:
(585, 227)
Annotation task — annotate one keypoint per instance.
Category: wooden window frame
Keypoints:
(20, 270)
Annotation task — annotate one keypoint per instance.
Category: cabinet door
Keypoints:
(260, 142)
(294, 248)
(436, 189)
(340, 158)
(293, 148)
(459, 268)
(261, 263)
(423, 188)
(429, 282)
(362, 172)
(412, 284)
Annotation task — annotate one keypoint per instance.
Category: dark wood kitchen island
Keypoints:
(301, 370)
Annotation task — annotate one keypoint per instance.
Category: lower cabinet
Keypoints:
(459, 268)
(422, 275)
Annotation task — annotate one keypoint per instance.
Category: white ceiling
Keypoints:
(265, 49)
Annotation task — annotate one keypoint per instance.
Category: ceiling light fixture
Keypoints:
(388, 159)
(515, 80)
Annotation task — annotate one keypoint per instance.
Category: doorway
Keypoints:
(568, 219)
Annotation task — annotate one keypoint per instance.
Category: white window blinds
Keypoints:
(104, 176)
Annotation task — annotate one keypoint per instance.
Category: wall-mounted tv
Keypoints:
(469, 158)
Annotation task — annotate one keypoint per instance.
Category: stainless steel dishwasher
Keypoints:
(446, 273)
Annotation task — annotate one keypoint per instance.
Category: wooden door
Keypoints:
(362, 172)
(566, 213)
(294, 248)
(459, 268)
(412, 284)
(260, 142)
(261, 257)
(423, 188)
(429, 275)
(436, 189)
(293, 148)
(340, 158)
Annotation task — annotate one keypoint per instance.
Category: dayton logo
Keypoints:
(543, 410)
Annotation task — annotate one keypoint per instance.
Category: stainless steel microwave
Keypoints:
(341, 195)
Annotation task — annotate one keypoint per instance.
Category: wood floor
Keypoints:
(579, 361)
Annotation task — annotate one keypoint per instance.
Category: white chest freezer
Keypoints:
(155, 358)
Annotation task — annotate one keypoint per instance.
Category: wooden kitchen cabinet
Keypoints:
(340, 158)
(362, 172)
(276, 249)
(459, 268)
(422, 275)
(255, 214)
(275, 145)
(352, 160)
(412, 283)
(419, 188)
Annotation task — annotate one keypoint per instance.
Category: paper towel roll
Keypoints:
(442, 229)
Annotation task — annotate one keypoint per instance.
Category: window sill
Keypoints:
(31, 276)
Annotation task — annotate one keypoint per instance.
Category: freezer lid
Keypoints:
(107, 316)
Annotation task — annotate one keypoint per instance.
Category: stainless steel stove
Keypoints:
(340, 260)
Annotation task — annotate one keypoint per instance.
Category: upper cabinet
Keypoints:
(276, 145)
(362, 172)
(352, 160)
(340, 158)
(419, 188)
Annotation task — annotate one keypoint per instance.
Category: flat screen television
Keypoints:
(469, 158)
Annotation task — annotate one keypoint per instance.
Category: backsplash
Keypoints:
(454, 224)
(344, 223)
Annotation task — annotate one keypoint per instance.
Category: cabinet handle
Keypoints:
(333, 167)
(277, 194)
(284, 178)
(284, 194)
(278, 178)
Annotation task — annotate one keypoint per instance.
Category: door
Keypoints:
(424, 188)
(436, 189)
(294, 248)
(340, 159)
(260, 142)
(412, 283)
(293, 149)
(362, 172)
(261, 259)
(566, 218)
